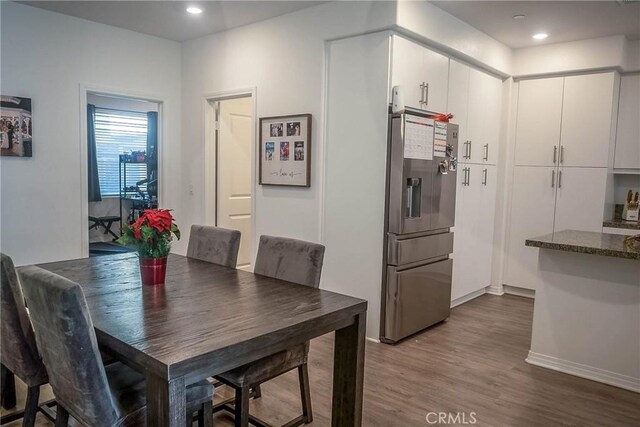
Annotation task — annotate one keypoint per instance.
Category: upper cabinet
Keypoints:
(565, 121)
(421, 74)
(485, 105)
(628, 133)
(475, 100)
(538, 122)
(587, 111)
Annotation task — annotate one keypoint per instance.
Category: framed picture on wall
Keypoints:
(285, 150)
(16, 126)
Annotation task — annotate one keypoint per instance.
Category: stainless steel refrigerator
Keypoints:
(420, 209)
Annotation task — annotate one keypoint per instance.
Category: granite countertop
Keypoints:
(587, 242)
(620, 223)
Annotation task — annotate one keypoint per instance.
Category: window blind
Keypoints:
(119, 132)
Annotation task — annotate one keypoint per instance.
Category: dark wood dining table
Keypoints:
(207, 319)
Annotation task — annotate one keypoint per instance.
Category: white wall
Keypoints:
(577, 56)
(283, 58)
(438, 28)
(48, 57)
(356, 149)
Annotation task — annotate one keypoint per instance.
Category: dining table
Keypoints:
(207, 319)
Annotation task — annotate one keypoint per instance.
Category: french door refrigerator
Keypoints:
(420, 210)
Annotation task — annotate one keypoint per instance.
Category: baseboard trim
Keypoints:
(372, 340)
(465, 298)
(584, 371)
(521, 292)
(495, 290)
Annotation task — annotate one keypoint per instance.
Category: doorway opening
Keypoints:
(232, 160)
(122, 166)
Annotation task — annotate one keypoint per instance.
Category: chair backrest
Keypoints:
(214, 244)
(67, 341)
(292, 260)
(19, 352)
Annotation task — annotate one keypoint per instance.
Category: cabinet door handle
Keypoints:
(469, 155)
(484, 178)
(555, 154)
(561, 154)
(423, 97)
(553, 178)
(486, 151)
(559, 179)
(426, 95)
(468, 176)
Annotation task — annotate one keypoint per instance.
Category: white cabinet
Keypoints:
(565, 121)
(475, 100)
(587, 111)
(473, 233)
(458, 101)
(485, 105)
(421, 74)
(628, 133)
(532, 211)
(563, 146)
(580, 199)
(545, 200)
(538, 121)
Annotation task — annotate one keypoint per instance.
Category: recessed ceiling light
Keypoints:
(518, 16)
(540, 36)
(194, 10)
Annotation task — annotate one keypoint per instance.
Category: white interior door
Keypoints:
(234, 147)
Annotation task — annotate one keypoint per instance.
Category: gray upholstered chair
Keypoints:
(19, 353)
(294, 261)
(214, 244)
(94, 394)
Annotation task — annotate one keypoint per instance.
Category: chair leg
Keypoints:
(31, 406)
(206, 420)
(257, 391)
(62, 417)
(242, 407)
(305, 393)
(8, 392)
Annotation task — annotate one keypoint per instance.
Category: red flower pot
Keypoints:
(153, 270)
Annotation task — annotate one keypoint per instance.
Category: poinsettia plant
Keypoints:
(151, 234)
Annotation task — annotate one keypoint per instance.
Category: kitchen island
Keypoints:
(586, 319)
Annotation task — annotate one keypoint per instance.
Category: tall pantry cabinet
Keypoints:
(474, 99)
(564, 132)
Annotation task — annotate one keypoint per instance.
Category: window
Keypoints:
(119, 132)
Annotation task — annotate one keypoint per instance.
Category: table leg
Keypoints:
(348, 374)
(8, 391)
(166, 402)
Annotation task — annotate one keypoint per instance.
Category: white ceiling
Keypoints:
(169, 20)
(563, 20)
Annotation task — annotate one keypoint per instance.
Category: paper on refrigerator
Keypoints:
(440, 140)
(418, 138)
